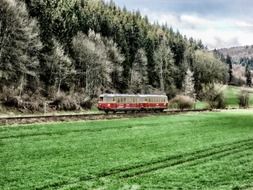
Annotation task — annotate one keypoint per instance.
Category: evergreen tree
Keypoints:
(19, 45)
(230, 68)
(248, 75)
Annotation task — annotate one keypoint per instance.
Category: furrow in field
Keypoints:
(214, 149)
(237, 153)
(177, 160)
(186, 160)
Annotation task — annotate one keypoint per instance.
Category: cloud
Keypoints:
(215, 32)
(218, 23)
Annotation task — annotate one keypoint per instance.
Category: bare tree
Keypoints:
(116, 59)
(139, 74)
(92, 56)
(63, 66)
(164, 66)
(188, 84)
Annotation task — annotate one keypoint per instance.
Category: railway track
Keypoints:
(75, 117)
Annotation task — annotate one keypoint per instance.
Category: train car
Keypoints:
(128, 102)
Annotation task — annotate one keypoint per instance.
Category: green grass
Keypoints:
(191, 151)
(231, 94)
(201, 105)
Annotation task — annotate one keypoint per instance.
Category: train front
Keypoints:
(101, 104)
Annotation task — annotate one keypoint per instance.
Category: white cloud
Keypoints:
(215, 32)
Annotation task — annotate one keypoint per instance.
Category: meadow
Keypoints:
(231, 94)
(189, 151)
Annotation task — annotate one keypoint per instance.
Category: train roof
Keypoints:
(132, 95)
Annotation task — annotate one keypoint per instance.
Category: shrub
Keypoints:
(182, 102)
(86, 104)
(244, 99)
(23, 104)
(213, 95)
(65, 103)
(12, 101)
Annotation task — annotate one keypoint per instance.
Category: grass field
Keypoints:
(190, 151)
(231, 94)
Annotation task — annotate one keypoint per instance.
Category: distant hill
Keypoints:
(238, 52)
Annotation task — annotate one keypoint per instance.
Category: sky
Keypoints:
(218, 23)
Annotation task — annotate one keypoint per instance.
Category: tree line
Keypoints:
(51, 47)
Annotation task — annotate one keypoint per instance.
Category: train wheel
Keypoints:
(106, 111)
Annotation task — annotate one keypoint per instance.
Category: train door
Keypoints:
(134, 101)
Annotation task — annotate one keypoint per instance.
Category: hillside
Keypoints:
(236, 53)
(69, 52)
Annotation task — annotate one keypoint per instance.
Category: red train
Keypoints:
(125, 102)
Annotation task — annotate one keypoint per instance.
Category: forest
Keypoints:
(71, 51)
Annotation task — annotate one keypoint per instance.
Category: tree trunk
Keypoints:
(161, 78)
(21, 86)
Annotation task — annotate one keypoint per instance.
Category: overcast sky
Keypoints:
(218, 23)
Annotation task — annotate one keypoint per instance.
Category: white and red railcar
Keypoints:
(126, 102)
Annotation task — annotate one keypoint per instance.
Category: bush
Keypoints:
(182, 102)
(10, 101)
(214, 97)
(65, 103)
(23, 104)
(244, 99)
(86, 104)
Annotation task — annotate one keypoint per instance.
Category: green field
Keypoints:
(190, 151)
(231, 94)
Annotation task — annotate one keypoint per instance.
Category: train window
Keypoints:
(101, 99)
